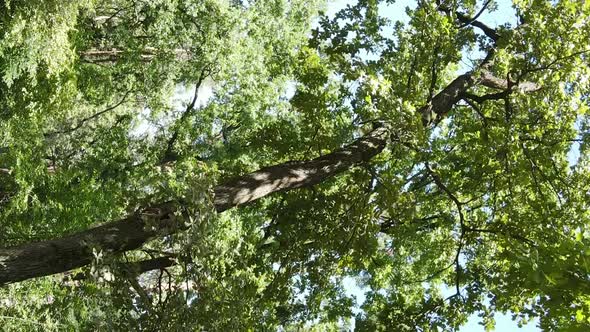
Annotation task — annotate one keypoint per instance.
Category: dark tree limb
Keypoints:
(109, 56)
(490, 32)
(92, 117)
(462, 225)
(442, 103)
(466, 21)
(77, 250)
(139, 267)
(169, 154)
(474, 18)
(297, 174)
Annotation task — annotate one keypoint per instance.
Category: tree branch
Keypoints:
(169, 154)
(462, 225)
(139, 267)
(490, 32)
(76, 250)
(488, 79)
(466, 20)
(93, 116)
(474, 18)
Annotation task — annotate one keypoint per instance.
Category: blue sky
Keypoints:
(396, 12)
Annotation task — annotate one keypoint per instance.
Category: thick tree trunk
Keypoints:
(60, 255)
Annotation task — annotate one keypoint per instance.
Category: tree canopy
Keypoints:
(227, 165)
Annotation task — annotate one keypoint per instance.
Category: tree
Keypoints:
(444, 188)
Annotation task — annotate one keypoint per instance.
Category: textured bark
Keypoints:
(489, 80)
(136, 268)
(113, 55)
(60, 255)
(443, 102)
(297, 174)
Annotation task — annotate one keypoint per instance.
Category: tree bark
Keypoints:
(443, 102)
(44, 258)
(113, 55)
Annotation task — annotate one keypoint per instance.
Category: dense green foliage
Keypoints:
(484, 210)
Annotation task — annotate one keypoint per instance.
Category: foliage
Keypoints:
(103, 112)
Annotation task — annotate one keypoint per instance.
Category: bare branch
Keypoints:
(92, 117)
(466, 20)
(474, 18)
(556, 61)
(169, 154)
(459, 206)
(499, 232)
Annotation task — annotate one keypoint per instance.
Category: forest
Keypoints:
(247, 165)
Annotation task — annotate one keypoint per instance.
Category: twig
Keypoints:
(94, 116)
(459, 206)
(499, 232)
(433, 73)
(556, 60)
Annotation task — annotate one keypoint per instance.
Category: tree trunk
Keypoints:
(60, 255)
(113, 55)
